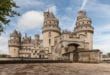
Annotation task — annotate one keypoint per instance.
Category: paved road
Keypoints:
(55, 69)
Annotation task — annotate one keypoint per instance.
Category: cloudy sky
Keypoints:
(31, 19)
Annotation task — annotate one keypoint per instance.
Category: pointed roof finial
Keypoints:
(25, 34)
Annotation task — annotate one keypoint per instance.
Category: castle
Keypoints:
(76, 46)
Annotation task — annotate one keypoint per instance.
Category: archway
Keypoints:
(72, 46)
(73, 52)
(42, 54)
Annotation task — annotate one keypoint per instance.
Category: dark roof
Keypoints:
(15, 34)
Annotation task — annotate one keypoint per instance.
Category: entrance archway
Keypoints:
(73, 52)
(41, 54)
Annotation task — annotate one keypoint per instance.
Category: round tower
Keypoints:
(50, 29)
(14, 44)
(83, 26)
(36, 40)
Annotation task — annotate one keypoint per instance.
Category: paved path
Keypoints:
(55, 69)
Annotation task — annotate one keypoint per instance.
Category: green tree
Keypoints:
(7, 10)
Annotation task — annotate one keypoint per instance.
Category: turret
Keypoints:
(50, 23)
(50, 29)
(14, 43)
(83, 26)
(36, 40)
(26, 39)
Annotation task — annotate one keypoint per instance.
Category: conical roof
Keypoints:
(14, 34)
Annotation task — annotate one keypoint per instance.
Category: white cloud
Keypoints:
(100, 9)
(104, 28)
(30, 20)
(28, 3)
(103, 47)
(67, 22)
(52, 8)
(102, 38)
(3, 44)
(69, 9)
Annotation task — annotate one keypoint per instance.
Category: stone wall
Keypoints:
(90, 56)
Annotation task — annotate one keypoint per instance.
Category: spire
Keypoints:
(81, 14)
(25, 35)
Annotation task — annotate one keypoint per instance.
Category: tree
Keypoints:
(108, 54)
(6, 11)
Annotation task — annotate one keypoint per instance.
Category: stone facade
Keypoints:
(75, 46)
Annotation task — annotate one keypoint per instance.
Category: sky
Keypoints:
(31, 19)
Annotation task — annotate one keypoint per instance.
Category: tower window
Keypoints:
(49, 34)
(47, 15)
(49, 41)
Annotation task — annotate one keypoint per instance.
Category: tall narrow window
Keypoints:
(49, 41)
(49, 34)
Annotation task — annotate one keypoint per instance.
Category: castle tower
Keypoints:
(50, 29)
(14, 44)
(83, 26)
(36, 40)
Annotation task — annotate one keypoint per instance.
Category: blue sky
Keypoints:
(31, 19)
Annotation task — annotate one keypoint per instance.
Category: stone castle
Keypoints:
(76, 46)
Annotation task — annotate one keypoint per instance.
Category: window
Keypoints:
(55, 41)
(49, 41)
(49, 34)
